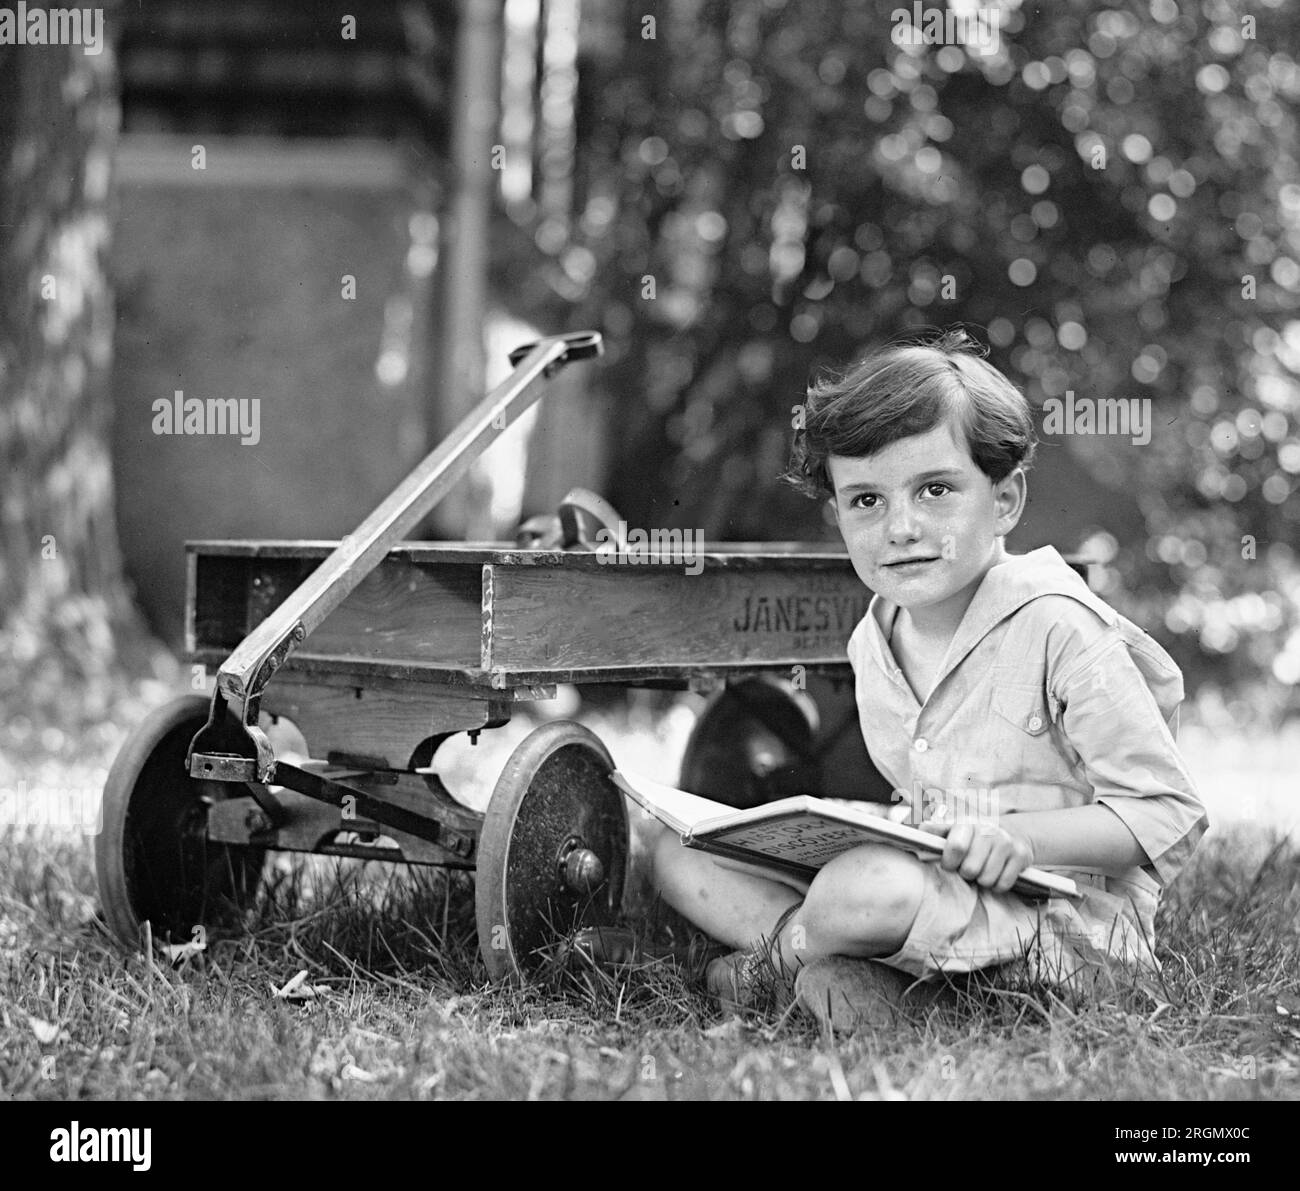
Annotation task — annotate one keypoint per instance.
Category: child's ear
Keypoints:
(1014, 494)
(835, 510)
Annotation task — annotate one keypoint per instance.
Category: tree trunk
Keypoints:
(64, 611)
(462, 284)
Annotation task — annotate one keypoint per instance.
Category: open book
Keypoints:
(798, 835)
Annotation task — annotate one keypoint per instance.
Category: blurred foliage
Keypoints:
(798, 186)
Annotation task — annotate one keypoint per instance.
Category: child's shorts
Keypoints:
(961, 927)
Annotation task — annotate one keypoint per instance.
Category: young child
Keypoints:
(1020, 716)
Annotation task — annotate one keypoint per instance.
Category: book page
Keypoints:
(677, 808)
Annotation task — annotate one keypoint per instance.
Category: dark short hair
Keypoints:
(908, 389)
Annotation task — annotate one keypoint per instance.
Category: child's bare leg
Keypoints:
(736, 908)
(862, 903)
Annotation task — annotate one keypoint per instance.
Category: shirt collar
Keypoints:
(1005, 587)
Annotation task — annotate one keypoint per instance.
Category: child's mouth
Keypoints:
(910, 566)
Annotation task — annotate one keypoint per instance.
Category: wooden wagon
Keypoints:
(378, 650)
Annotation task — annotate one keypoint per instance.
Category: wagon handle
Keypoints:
(244, 674)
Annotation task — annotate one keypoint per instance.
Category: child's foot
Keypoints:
(731, 978)
(611, 947)
(846, 994)
(599, 946)
(754, 978)
(748, 980)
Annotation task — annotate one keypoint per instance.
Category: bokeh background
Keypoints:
(354, 223)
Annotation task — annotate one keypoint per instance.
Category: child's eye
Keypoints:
(855, 503)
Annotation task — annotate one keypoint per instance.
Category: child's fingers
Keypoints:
(994, 868)
(1010, 871)
(958, 846)
(1016, 863)
(981, 852)
(937, 826)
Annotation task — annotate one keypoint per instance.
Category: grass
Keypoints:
(395, 1003)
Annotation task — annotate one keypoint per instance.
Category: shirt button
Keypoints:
(920, 744)
(1035, 722)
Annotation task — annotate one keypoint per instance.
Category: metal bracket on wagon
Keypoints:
(581, 345)
(245, 673)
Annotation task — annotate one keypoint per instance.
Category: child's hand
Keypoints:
(982, 852)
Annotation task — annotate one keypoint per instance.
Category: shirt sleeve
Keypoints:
(1112, 720)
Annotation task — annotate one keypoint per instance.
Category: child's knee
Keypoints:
(871, 893)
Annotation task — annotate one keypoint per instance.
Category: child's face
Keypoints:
(923, 497)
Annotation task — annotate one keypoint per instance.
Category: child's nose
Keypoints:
(903, 524)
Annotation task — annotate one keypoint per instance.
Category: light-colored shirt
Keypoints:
(1047, 698)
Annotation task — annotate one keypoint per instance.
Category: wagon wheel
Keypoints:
(752, 745)
(152, 855)
(553, 848)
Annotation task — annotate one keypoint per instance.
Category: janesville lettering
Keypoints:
(801, 614)
(53, 26)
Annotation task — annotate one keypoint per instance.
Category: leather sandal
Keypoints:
(610, 947)
(751, 978)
